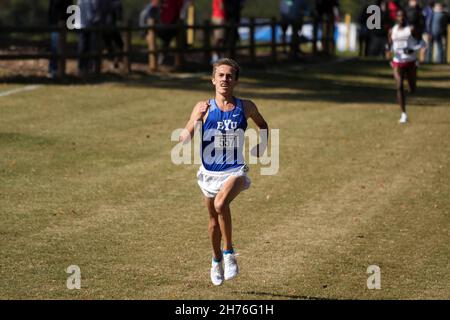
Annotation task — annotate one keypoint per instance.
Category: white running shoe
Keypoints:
(230, 265)
(403, 118)
(216, 273)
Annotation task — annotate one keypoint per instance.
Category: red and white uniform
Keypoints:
(402, 39)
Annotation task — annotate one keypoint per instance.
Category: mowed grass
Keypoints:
(86, 179)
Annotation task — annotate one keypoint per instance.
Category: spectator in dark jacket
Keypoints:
(415, 18)
(292, 12)
(363, 31)
(90, 18)
(378, 37)
(57, 13)
(111, 15)
(428, 15)
(438, 31)
(233, 9)
(328, 10)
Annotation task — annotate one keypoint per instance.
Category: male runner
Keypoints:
(223, 174)
(404, 46)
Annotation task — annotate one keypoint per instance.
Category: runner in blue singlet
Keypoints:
(223, 174)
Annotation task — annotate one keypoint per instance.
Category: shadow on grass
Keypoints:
(305, 82)
(14, 138)
(277, 295)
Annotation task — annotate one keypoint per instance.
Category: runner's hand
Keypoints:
(203, 108)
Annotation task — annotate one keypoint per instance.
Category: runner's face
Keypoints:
(401, 18)
(224, 79)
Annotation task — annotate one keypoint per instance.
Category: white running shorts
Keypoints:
(211, 182)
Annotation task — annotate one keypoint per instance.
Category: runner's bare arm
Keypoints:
(252, 112)
(197, 114)
(389, 41)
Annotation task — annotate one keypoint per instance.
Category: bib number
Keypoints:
(226, 141)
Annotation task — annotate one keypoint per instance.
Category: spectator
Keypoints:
(57, 13)
(392, 9)
(363, 31)
(438, 31)
(169, 15)
(415, 18)
(233, 9)
(218, 19)
(428, 16)
(328, 9)
(111, 14)
(292, 12)
(378, 37)
(90, 18)
(185, 9)
(150, 11)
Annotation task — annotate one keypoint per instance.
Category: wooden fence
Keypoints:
(180, 49)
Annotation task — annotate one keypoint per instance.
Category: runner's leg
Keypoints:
(214, 232)
(398, 75)
(412, 79)
(230, 189)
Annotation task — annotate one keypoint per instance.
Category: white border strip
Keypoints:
(18, 90)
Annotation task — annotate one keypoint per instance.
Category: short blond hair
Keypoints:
(227, 62)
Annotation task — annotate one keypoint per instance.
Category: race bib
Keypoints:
(402, 45)
(226, 141)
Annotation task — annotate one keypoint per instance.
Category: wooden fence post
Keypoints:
(62, 46)
(315, 34)
(151, 45)
(326, 35)
(232, 40)
(127, 49)
(348, 25)
(207, 41)
(448, 43)
(98, 49)
(252, 40)
(273, 29)
(191, 21)
(294, 41)
(180, 44)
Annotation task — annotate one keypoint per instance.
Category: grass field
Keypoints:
(86, 179)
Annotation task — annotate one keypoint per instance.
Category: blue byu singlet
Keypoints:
(223, 137)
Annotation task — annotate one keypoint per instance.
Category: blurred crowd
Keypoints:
(170, 12)
(429, 18)
(93, 13)
(327, 12)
